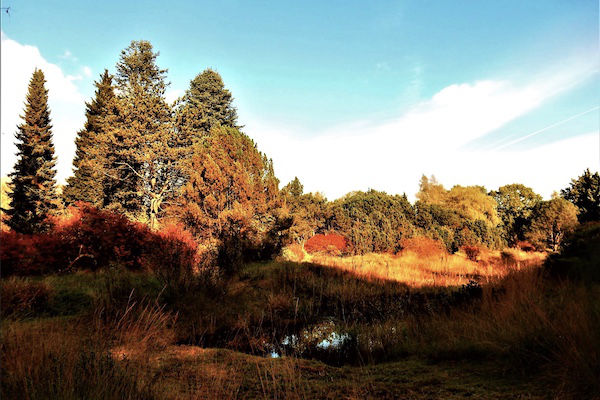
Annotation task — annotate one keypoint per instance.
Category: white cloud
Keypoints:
(173, 94)
(392, 155)
(67, 55)
(87, 71)
(65, 101)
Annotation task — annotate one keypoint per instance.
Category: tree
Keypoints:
(584, 192)
(551, 221)
(309, 214)
(86, 182)
(32, 189)
(430, 191)
(206, 104)
(230, 201)
(294, 188)
(372, 221)
(140, 148)
(515, 205)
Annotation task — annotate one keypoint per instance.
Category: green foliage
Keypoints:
(32, 189)
(551, 221)
(205, 105)
(139, 149)
(584, 192)
(294, 188)
(372, 221)
(310, 213)
(86, 182)
(515, 205)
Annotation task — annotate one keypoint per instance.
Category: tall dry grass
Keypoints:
(439, 269)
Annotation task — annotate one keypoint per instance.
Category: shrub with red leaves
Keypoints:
(173, 254)
(91, 238)
(330, 243)
(472, 252)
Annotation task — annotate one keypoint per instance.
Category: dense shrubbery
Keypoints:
(90, 238)
(330, 243)
(372, 221)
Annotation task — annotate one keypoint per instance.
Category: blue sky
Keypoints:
(338, 81)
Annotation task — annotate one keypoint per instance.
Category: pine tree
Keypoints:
(86, 182)
(205, 105)
(139, 149)
(33, 186)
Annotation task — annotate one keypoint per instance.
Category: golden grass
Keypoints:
(435, 270)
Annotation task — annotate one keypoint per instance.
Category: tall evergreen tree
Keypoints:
(86, 182)
(139, 149)
(33, 186)
(205, 105)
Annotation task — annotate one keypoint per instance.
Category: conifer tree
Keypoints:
(205, 105)
(33, 187)
(86, 182)
(139, 149)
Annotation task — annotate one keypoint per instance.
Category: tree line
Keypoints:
(191, 163)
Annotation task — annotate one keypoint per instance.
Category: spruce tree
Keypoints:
(86, 182)
(205, 105)
(139, 149)
(33, 186)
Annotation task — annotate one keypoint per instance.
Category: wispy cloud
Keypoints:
(67, 55)
(501, 146)
(429, 138)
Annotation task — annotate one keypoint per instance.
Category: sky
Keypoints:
(346, 95)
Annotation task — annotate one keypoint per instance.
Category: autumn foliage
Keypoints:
(330, 243)
(88, 238)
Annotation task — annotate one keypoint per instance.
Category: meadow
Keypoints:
(283, 329)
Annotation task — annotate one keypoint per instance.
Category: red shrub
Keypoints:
(91, 238)
(472, 252)
(29, 254)
(423, 246)
(106, 237)
(331, 243)
(172, 254)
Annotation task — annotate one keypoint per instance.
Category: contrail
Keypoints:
(544, 129)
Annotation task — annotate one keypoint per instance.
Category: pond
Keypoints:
(322, 341)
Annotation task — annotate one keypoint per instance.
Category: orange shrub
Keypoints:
(330, 243)
(472, 252)
(172, 254)
(92, 238)
(423, 246)
(525, 246)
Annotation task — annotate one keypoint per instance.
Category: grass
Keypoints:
(521, 332)
(440, 269)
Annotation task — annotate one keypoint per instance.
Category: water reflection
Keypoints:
(322, 341)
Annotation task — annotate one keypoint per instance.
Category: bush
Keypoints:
(89, 238)
(329, 243)
(472, 252)
(172, 255)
